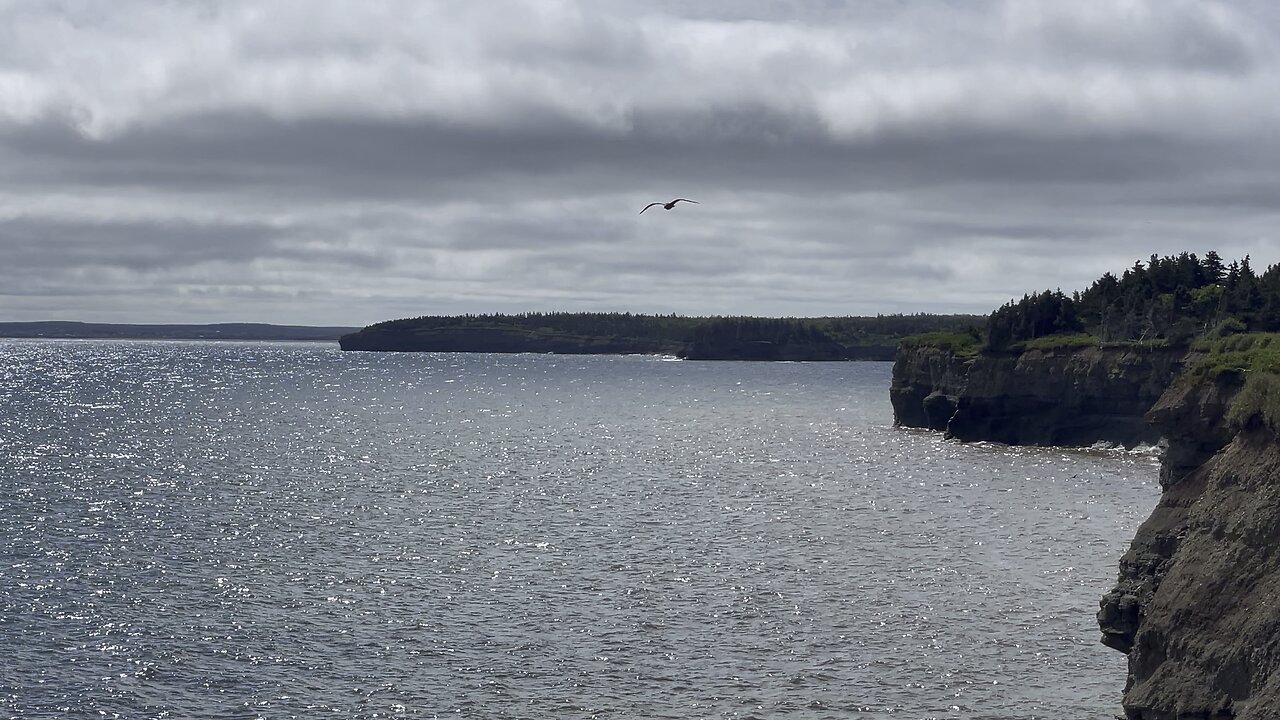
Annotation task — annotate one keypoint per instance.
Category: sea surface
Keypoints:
(258, 530)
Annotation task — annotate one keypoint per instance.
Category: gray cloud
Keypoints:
(334, 163)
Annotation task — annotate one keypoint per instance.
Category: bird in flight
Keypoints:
(668, 206)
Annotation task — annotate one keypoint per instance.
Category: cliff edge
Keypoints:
(1196, 606)
(1197, 603)
(1074, 396)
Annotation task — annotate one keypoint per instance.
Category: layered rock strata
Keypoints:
(1197, 602)
(1073, 397)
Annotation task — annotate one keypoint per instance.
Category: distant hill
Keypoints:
(220, 331)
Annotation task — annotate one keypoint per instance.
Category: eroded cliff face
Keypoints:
(1072, 397)
(1192, 416)
(927, 383)
(1197, 602)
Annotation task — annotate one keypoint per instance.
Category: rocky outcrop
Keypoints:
(1191, 415)
(927, 383)
(1197, 602)
(1076, 396)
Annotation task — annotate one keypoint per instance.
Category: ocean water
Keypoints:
(257, 530)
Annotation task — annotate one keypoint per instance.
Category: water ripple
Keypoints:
(207, 530)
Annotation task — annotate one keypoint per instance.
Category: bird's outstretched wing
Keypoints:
(646, 207)
(695, 202)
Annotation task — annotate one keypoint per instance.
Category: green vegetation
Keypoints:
(1228, 316)
(1033, 317)
(1170, 301)
(1250, 361)
(737, 338)
(1061, 342)
(964, 343)
(600, 324)
(890, 329)
(1257, 402)
(1235, 355)
(1166, 302)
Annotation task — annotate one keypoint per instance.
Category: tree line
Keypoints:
(708, 337)
(1173, 299)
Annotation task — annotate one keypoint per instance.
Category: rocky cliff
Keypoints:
(1197, 602)
(1196, 606)
(1072, 396)
(927, 383)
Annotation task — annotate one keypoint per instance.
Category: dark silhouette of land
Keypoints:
(121, 331)
(693, 338)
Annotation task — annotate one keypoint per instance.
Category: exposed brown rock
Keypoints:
(1202, 577)
(1197, 602)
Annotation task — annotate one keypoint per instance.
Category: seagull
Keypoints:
(668, 206)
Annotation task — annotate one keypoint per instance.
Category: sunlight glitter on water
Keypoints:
(214, 530)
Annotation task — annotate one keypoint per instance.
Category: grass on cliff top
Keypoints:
(1253, 361)
(965, 344)
(1058, 342)
(957, 342)
(1237, 355)
(1258, 402)
(1076, 341)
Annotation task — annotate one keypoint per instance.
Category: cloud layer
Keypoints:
(317, 162)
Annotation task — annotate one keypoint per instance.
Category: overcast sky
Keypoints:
(343, 163)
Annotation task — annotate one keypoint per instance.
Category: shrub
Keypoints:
(1060, 342)
(1257, 403)
(957, 342)
(1230, 326)
(1237, 355)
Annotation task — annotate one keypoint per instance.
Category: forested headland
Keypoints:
(1182, 351)
(1194, 321)
(1170, 301)
(694, 338)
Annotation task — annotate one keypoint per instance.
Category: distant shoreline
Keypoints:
(687, 337)
(70, 330)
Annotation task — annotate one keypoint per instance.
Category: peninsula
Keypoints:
(1179, 350)
(692, 338)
